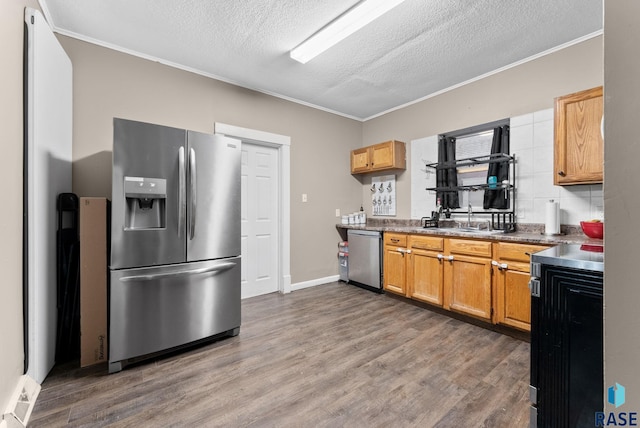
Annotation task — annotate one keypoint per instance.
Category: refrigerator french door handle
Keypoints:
(217, 269)
(182, 189)
(192, 192)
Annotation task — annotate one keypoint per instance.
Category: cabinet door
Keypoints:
(425, 277)
(579, 145)
(382, 155)
(468, 285)
(360, 160)
(395, 270)
(513, 298)
(566, 347)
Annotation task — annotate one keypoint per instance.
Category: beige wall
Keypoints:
(109, 84)
(621, 202)
(529, 87)
(11, 52)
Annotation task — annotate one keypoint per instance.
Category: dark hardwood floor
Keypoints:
(328, 356)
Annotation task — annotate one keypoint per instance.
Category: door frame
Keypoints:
(283, 144)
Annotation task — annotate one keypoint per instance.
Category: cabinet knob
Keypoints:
(562, 173)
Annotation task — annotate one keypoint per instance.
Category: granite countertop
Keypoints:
(525, 233)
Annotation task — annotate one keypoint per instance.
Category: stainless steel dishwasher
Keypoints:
(365, 259)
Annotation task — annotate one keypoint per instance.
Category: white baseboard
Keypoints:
(21, 403)
(314, 282)
(286, 284)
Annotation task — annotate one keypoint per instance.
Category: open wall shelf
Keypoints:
(501, 219)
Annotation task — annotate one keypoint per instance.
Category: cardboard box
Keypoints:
(93, 280)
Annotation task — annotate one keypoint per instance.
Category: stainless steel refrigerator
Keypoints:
(175, 240)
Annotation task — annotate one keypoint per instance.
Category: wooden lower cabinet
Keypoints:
(511, 284)
(468, 284)
(513, 298)
(467, 277)
(395, 263)
(483, 279)
(425, 269)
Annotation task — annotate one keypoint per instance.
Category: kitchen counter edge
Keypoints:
(570, 256)
(522, 237)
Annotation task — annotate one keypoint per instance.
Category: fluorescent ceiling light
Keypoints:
(342, 27)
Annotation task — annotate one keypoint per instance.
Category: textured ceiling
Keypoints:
(419, 48)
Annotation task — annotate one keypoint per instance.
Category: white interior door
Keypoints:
(260, 201)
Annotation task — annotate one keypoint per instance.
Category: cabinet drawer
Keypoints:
(516, 252)
(426, 242)
(397, 239)
(469, 247)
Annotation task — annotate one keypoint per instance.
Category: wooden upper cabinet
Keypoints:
(360, 161)
(579, 146)
(379, 157)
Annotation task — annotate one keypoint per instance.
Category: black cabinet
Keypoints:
(566, 346)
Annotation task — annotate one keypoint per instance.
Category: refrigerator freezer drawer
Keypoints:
(158, 308)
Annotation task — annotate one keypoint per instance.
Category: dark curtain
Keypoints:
(498, 198)
(447, 177)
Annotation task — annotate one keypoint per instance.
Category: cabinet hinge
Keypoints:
(535, 269)
(534, 286)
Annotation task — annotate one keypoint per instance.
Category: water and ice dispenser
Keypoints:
(146, 202)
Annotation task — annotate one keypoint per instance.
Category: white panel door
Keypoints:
(48, 167)
(260, 201)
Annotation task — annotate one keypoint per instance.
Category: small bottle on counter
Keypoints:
(439, 206)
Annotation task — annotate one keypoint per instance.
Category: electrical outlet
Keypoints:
(304, 197)
(520, 213)
(337, 212)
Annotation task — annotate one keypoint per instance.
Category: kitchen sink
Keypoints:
(477, 231)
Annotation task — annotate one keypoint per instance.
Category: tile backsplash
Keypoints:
(532, 144)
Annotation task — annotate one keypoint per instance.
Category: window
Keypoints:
(468, 146)
(470, 143)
